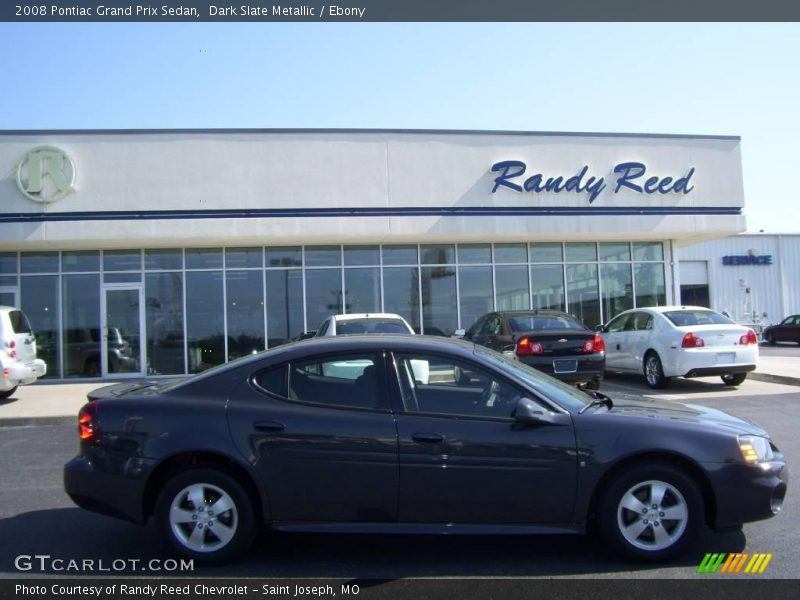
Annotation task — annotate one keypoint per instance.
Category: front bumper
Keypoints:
(588, 367)
(748, 492)
(21, 373)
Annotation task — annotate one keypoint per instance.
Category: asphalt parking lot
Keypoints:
(38, 518)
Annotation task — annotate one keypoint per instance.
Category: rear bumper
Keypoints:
(708, 371)
(711, 360)
(103, 492)
(21, 373)
(746, 493)
(588, 367)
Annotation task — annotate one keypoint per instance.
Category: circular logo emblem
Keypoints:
(46, 174)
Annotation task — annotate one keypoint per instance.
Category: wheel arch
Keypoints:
(674, 459)
(177, 463)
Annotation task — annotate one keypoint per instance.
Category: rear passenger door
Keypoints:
(320, 433)
(615, 340)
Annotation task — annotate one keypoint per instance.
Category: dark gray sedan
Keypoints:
(412, 434)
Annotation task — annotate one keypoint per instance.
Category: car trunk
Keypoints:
(560, 342)
(716, 336)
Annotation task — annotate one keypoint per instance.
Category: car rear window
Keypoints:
(19, 322)
(543, 322)
(688, 318)
(371, 326)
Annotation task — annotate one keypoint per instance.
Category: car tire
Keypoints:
(733, 379)
(654, 372)
(650, 536)
(8, 393)
(770, 339)
(188, 528)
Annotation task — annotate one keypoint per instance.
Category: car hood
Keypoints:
(683, 413)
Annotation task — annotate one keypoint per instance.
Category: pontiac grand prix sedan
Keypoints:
(338, 434)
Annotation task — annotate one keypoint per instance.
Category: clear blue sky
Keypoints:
(732, 79)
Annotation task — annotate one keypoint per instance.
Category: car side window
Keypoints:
(476, 327)
(324, 327)
(438, 385)
(273, 380)
(639, 322)
(492, 326)
(618, 324)
(343, 380)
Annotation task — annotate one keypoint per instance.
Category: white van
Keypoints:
(18, 362)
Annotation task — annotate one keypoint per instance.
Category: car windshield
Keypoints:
(534, 322)
(690, 317)
(564, 395)
(371, 325)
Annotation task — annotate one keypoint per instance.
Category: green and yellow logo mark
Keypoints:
(735, 563)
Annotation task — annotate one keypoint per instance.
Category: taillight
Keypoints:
(748, 338)
(595, 345)
(11, 352)
(526, 347)
(87, 423)
(690, 340)
(12, 344)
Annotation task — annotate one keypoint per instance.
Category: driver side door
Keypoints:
(464, 459)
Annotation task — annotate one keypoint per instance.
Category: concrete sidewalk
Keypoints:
(55, 403)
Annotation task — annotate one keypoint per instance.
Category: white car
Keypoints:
(363, 323)
(679, 341)
(18, 362)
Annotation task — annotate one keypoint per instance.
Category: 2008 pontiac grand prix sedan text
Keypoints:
(415, 435)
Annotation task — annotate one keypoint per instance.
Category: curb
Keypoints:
(769, 378)
(38, 421)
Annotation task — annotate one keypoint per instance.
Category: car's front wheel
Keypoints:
(206, 515)
(654, 372)
(733, 379)
(651, 512)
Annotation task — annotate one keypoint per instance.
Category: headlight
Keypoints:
(755, 449)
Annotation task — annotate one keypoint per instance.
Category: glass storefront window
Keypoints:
(511, 287)
(615, 251)
(439, 254)
(163, 260)
(651, 289)
(204, 258)
(399, 255)
(580, 252)
(122, 277)
(548, 287)
(362, 290)
(648, 251)
(617, 289)
(80, 299)
(8, 262)
(286, 256)
(582, 293)
(439, 305)
(475, 254)
(243, 258)
(475, 293)
(284, 306)
(163, 294)
(39, 262)
(39, 301)
(401, 292)
(8, 281)
(323, 295)
(122, 260)
(205, 342)
(546, 252)
(323, 256)
(510, 253)
(244, 294)
(356, 256)
(86, 261)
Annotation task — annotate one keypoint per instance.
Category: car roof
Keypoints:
(350, 316)
(662, 309)
(535, 311)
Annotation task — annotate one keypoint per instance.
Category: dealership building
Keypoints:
(165, 252)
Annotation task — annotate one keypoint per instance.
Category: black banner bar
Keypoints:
(398, 10)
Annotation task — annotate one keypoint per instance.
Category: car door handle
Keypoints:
(269, 426)
(428, 438)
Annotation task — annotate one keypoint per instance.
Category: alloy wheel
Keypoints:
(203, 517)
(652, 515)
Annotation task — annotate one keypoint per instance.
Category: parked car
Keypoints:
(679, 341)
(285, 438)
(553, 342)
(18, 362)
(787, 331)
(82, 352)
(363, 323)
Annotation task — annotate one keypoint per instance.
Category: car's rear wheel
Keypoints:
(654, 372)
(770, 337)
(206, 515)
(8, 393)
(651, 512)
(733, 379)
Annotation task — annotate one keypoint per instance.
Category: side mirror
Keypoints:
(459, 333)
(530, 413)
